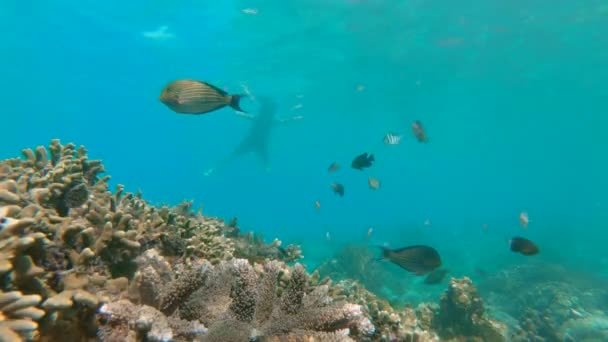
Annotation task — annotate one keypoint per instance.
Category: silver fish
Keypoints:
(392, 139)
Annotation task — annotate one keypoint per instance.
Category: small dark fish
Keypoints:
(436, 276)
(417, 259)
(338, 189)
(523, 246)
(282, 252)
(419, 131)
(363, 161)
(480, 272)
(197, 97)
(333, 167)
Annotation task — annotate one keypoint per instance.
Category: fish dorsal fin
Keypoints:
(221, 91)
(406, 248)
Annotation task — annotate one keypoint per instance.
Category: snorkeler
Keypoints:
(257, 139)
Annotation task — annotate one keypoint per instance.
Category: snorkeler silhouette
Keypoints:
(257, 139)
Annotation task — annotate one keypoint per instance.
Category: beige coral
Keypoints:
(18, 316)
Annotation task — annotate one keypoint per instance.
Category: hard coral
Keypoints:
(390, 324)
(66, 238)
(18, 316)
(462, 314)
(235, 300)
(261, 309)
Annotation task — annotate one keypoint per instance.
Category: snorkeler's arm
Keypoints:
(245, 115)
(293, 118)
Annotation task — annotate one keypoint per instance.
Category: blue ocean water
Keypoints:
(512, 95)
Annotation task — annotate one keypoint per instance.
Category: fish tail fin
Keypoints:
(384, 252)
(235, 102)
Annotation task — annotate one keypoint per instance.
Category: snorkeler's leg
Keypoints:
(219, 165)
(243, 148)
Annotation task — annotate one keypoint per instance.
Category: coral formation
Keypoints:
(390, 324)
(68, 239)
(462, 313)
(549, 303)
(231, 301)
(79, 262)
(18, 315)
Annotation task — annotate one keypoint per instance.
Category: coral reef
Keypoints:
(81, 263)
(231, 301)
(69, 240)
(358, 262)
(550, 303)
(18, 315)
(462, 313)
(390, 324)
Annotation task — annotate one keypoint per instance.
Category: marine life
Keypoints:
(373, 183)
(523, 246)
(197, 97)
(251, 11)
(333, 167)
(370, 231)
(418, 259)
(392, 139)
(427, 223)
(338, 189)
(436, 276)
(419, 131)
(363, 161)
(318, 205)
(159, 33)
(480, 272)
(523, 219)
(328, 236)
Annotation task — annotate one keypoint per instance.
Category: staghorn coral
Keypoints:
(462, 313)
(68, 239)
(18, 316)
(251, 246)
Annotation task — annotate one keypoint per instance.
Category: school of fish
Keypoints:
(195, 97)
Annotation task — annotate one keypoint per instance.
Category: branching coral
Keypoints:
(66, 238)
(18, 316)
(251, 246)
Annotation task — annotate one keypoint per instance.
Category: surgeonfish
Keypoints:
(197, 97)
